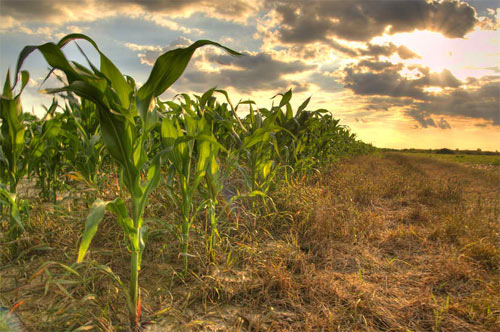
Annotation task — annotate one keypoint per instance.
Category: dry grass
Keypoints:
(375, 243)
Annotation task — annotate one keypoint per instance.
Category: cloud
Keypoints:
(405, 53)
(481, 102)
(311, 21)
(387, 82)
(425, 120)
(212, 67)
(326, 81)
(16, 12)
(385, 87)
(250, 72)
(443, 79)
(443, 124)
(386, 50)
(379, 65)
(149, 53)
(384, 78)
(422, 118)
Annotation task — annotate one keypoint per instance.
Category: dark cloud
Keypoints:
(370, 50)
(378, 50)
(405, 53)
(422, 117)
(56, 12)
(158, 6)
(379, 65)
(383, 78)
(312, 21)
(443, 79)
(228, 9)
(443, 124)
(425, 120)
(385, 88)
(248, 73)
(26, 10)
(387, 82)
(482, 102)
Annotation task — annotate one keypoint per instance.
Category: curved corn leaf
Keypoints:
(286, 98)
(302, 106)
(15, 217)
(166, 70)
(94, 219)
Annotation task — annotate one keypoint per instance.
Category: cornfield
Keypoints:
(103, 126)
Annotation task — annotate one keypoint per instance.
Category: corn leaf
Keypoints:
(166, 70)
(93, 220)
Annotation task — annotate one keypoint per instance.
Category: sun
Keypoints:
(473, 56)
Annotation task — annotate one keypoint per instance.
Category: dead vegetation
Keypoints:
(374, 243)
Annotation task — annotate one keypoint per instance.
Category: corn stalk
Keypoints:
(13, 166)
(194, 149)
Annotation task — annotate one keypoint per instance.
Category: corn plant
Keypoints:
(193, 153)
(12, 139)
(85, 149)
(213, 175)
(46, 158)
(126, 117)
(259, 148)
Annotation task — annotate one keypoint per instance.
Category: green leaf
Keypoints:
(93, 220)
(7, 89)
(153, 179)
(286, 98)
(206, 96)
(15, 217)
(166, 70)
(303, 106)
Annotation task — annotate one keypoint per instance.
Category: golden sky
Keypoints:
(412, 73)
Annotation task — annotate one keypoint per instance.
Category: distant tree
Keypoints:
(445, 151)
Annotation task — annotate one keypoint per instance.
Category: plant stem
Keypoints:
(134, 287)
(185, 246)
(213, 228)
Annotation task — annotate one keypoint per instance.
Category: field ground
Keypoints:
(471, 159)
(388, 242)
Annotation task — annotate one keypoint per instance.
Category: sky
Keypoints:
(399, 73)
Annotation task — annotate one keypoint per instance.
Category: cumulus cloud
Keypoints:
(481, 102)
(423, 118)
(405, 53)
(210, 66)
(384, 78)
(384, 85)
(149, 53)
(387, 82)
(378, 65)
(387, 89)
(443, 124)
(357, 20)
(17, 12)
(248, 73)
